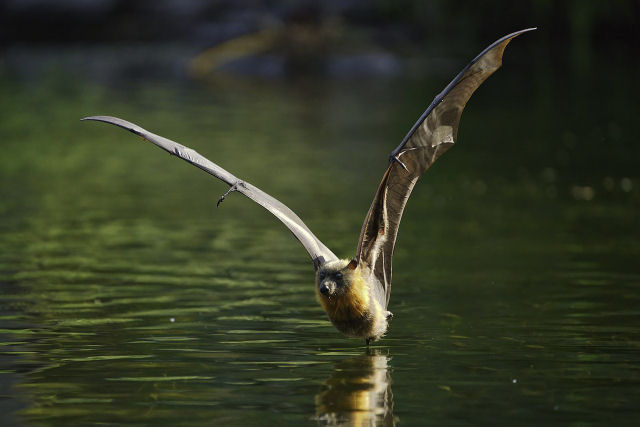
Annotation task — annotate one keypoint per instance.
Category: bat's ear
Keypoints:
(352, 265)
(317, 262)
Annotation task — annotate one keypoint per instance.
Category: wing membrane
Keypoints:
(318, 252)
(434, 133)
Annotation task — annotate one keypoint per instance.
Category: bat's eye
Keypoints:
(321, 275)
(338, 275)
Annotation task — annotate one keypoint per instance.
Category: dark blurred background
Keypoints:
(306, 35)
(387, 22)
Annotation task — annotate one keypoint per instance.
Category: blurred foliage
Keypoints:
(211, 22)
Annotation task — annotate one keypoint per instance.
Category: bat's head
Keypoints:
(335, 278)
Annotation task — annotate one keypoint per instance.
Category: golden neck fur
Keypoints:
(348, 300)
(353, 304)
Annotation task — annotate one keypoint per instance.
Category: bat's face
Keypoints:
(344, 296)
(334, 279)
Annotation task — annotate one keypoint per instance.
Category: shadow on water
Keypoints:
(358, 392)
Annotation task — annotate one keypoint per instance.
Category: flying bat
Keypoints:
(355, 292)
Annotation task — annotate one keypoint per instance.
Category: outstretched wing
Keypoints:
(317, 250)
(435, 131)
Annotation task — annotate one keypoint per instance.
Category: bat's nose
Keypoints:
(324, 289)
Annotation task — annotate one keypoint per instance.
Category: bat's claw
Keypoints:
(394, 158)
(231, 189)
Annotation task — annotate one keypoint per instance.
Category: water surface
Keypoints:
(127, 297)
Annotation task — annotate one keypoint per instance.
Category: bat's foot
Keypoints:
(389, 315)
(367, 341)
(231, 189)
(393, 158)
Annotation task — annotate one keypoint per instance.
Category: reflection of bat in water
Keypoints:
(355, 292)
(357, 393)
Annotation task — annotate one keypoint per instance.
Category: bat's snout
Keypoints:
(327, 288)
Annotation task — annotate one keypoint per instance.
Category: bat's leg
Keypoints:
(231, 189)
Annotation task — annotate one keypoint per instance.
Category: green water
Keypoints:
(127, 297)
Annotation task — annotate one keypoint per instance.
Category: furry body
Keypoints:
(350, 300)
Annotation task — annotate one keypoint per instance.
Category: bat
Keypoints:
(355, 292)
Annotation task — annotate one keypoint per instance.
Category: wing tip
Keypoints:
(525, 30)
(500, 44)
(131, 127)
(106, 119)
(507, 39)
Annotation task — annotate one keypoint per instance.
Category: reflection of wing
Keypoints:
(434, 132)
(317, 250)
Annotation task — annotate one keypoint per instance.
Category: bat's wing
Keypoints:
(317, 250)
(435, 131)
